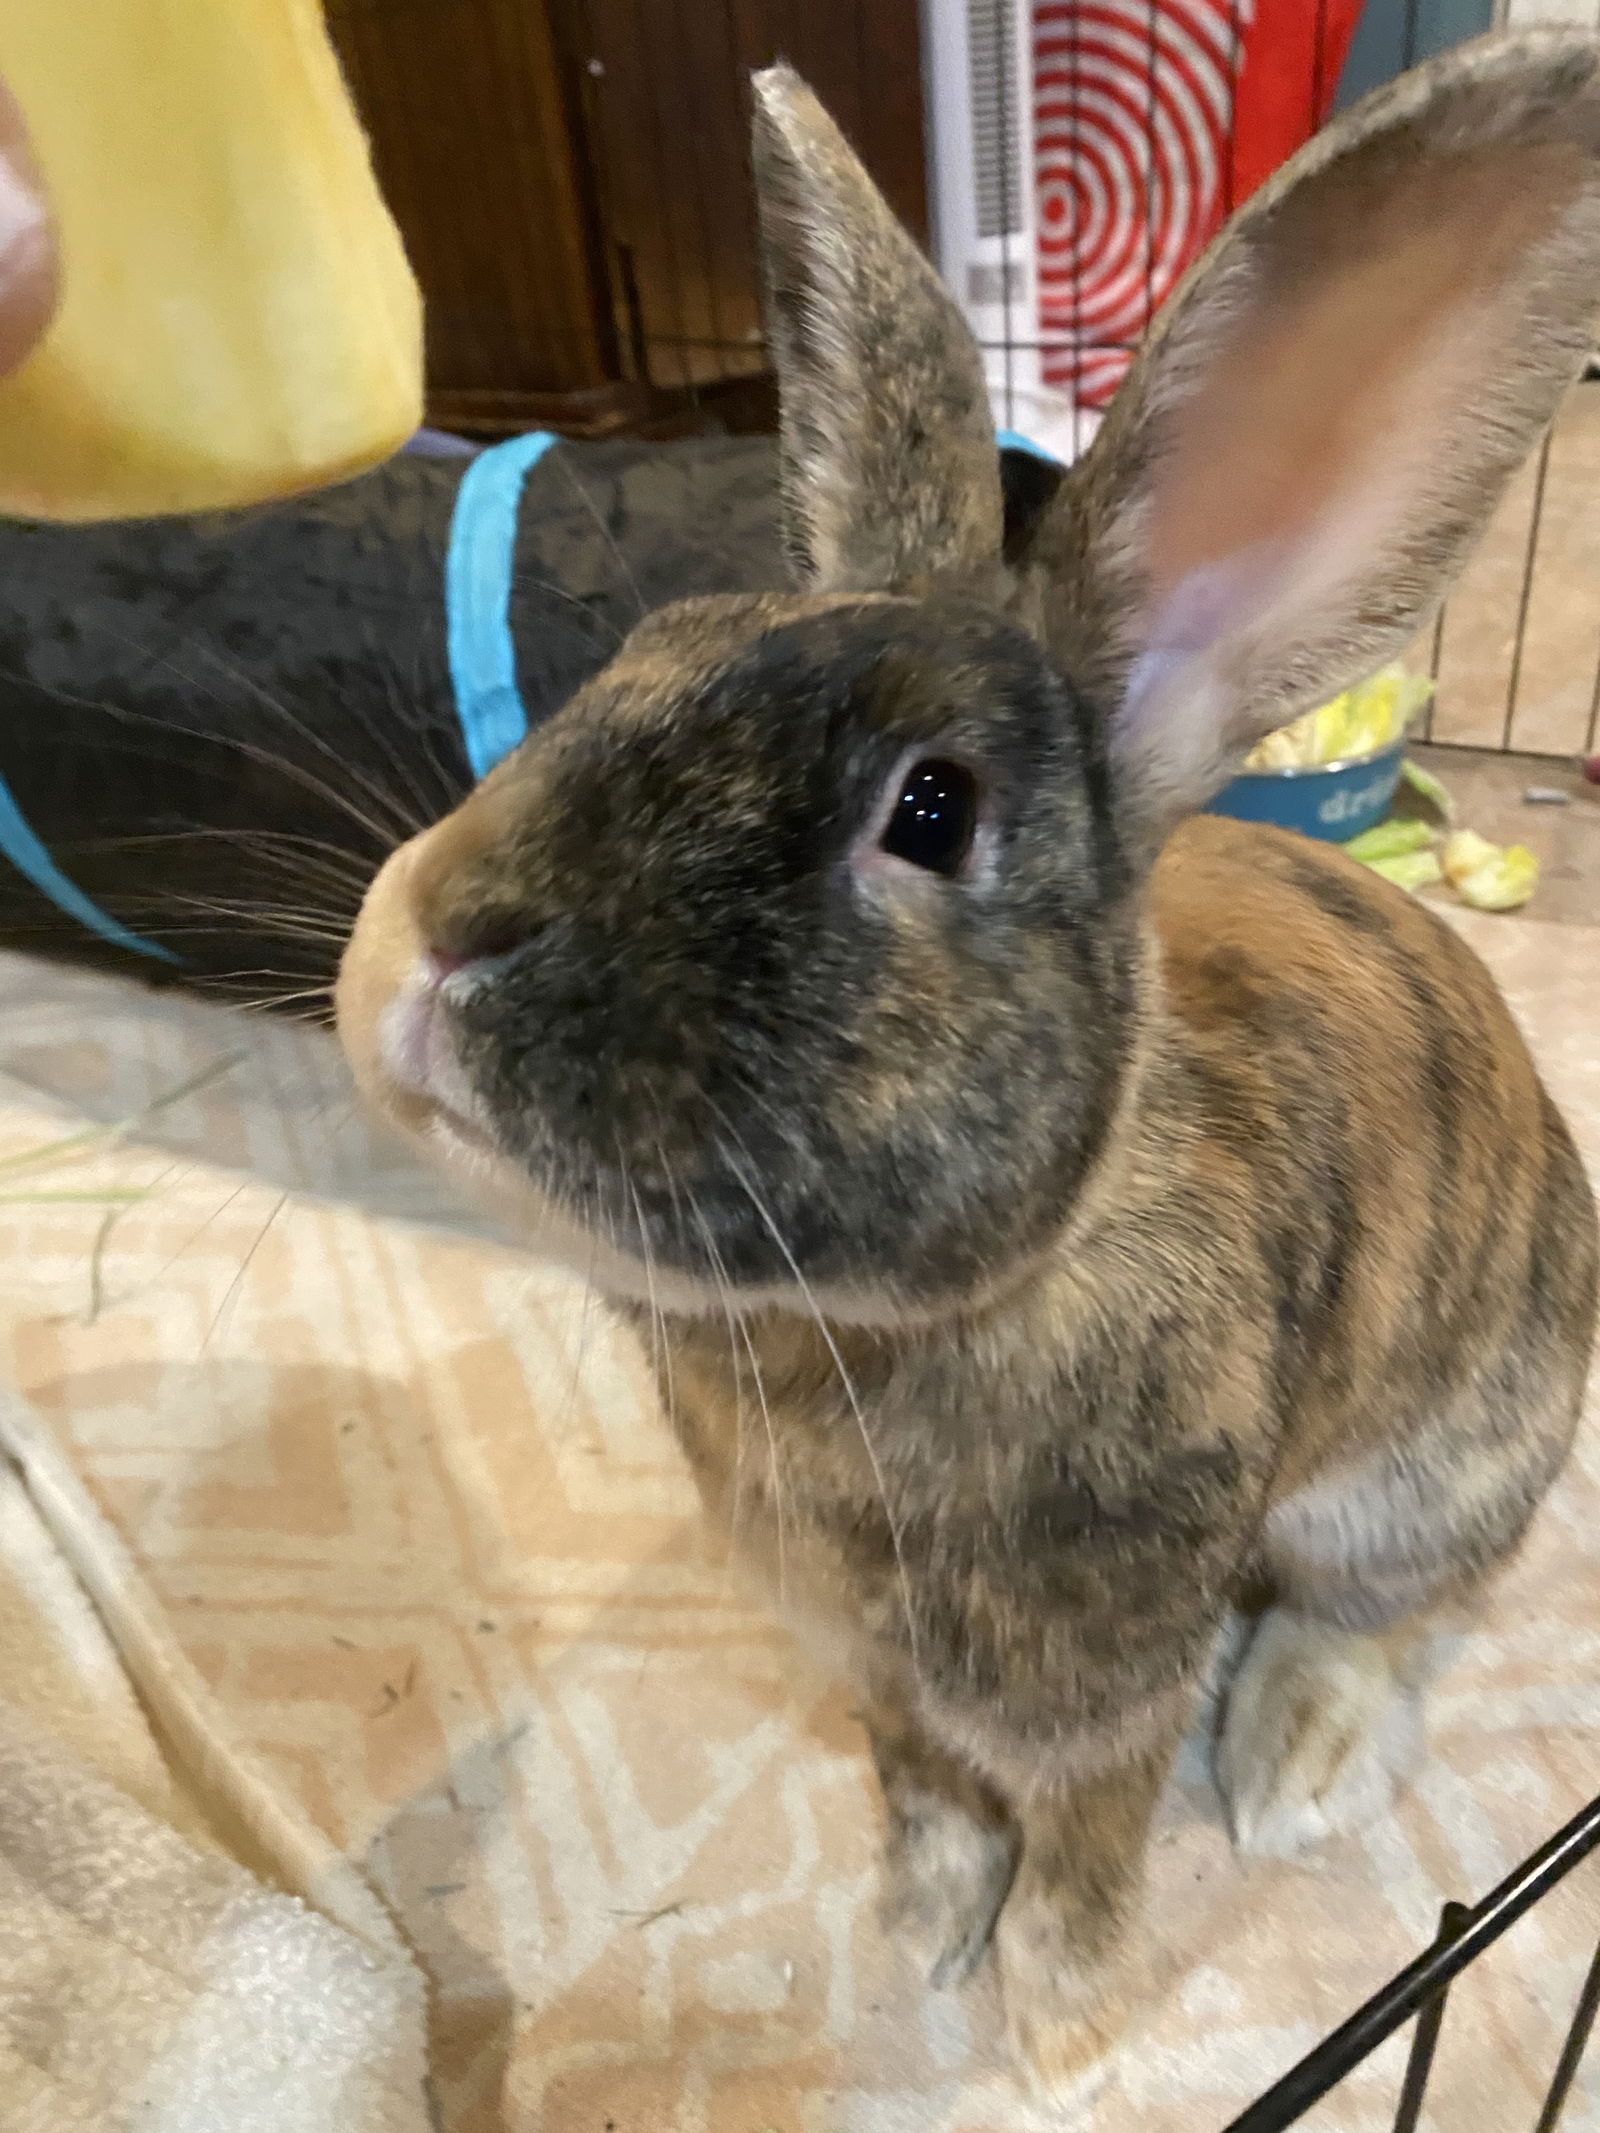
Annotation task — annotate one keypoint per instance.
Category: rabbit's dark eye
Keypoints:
(932, 823)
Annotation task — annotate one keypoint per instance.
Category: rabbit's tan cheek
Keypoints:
(408, 916)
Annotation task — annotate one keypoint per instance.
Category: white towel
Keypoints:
(149, 1981)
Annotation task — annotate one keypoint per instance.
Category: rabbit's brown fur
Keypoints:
(1045, 1259)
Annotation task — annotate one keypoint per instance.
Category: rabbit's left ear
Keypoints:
(890, 469)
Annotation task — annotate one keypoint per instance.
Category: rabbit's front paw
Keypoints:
(1317, 1728)
(945, 1876)
(1065, 2014)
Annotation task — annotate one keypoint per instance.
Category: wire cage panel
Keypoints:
(1517, 650)
(1395, 2054)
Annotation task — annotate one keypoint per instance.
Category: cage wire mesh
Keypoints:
(1101, 143)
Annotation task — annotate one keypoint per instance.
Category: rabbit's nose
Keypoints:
(489, 939)
(417, 1043)
(450, 976)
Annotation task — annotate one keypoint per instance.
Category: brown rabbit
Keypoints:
(1053, 1231)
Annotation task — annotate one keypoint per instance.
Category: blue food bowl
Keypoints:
(1334, 801)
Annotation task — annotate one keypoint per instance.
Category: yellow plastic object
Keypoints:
(238, 320)
(1364, 719)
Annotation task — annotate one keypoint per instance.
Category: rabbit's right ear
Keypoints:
(891, 472)
(1329, 410)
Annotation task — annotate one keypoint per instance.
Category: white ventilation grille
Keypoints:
(997, 131)
(978, 57)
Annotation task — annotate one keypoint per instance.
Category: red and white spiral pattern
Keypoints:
(1133, 104)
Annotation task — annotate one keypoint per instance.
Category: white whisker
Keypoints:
(560, 460)
(845, 1379)
(660, 1341)
(774, 1465)
(237, 1282)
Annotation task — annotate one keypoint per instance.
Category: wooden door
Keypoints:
(572, 180)
(666, 85)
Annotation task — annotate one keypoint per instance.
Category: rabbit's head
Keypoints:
(800, 955)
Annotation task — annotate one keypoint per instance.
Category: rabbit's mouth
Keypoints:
(696, 1245)
(423, 1061)
(645, 1235)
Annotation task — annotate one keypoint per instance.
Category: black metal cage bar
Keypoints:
(1420, 1989)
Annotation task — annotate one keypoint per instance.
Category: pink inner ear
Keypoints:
(1370, 308)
